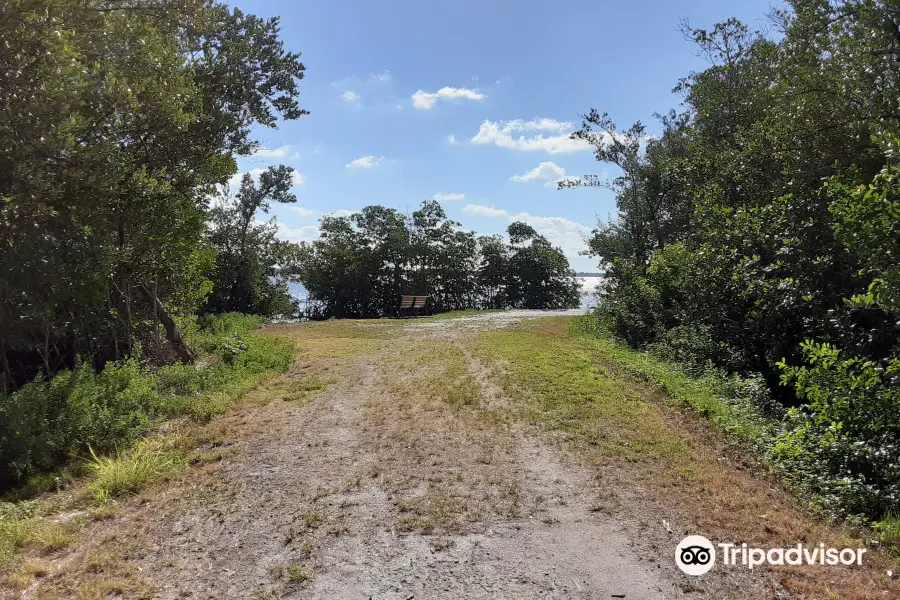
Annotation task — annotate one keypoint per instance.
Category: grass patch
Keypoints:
(717, 398)
(887, 532)
(452, 383)
(568, 391)
(291, 573)
(131, 471)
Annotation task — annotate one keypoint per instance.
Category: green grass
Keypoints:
(887, 531)
(131, 471)
(566, 389)
(601, 394)
(710, 395)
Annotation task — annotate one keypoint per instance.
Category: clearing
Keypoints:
(482, 456)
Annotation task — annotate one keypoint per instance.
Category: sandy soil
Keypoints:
(367, 492)
(408, 477)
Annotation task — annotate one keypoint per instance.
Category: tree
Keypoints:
(361, 265)
(119, 120)
(539, 275)
(247, 277)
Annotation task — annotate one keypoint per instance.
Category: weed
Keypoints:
(313, 519)
(129, 472)
(52, 538)
(291, 573)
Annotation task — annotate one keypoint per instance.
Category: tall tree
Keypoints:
(119, 119)
(247, 276)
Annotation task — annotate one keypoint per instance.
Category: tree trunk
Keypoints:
(172, 334)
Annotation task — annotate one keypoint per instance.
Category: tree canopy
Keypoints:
(362, 264)
(759, 232)
(119, 119)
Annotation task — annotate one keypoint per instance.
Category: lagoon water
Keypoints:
(588, 291)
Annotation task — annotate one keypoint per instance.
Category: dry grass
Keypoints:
(639, 440)
(433, 447)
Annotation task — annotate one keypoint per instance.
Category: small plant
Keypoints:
(313, 519)
(297, 573)
(291, 573)
(53, 538)
(129, 472)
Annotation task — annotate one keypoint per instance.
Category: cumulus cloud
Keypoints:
(307, 233)
(546, 170)
(514, 135)
(448, 197)
(297, 179)
(451, 139)
(365, 162)
(279, 152)
(484, 211)
(559, 231)
(303, 212)
(350, 96)
(424, 100)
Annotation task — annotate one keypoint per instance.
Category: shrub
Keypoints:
(45, 423)
(112, 407)
(844, 444)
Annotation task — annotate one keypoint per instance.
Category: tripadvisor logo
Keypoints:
(696, 555)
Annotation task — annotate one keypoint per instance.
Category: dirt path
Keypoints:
(412, 474)
(381, 491)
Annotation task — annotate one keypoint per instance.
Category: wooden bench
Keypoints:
(412, 305)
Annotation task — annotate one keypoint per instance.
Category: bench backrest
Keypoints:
(407, 301)
(420, 301)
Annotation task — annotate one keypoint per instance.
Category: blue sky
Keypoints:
(389, 83)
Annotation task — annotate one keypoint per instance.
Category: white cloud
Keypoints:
(279, 152)
(448, 197)
(237, 177)
(307, 233)
(383, 77)
(424, 100)
(546, 170)
(303, 212)
(365, 162)
(297, 179)
(341, 212)
(559, 231)
(451, 139)
(484, 211)
(500, 133)
(350, 96)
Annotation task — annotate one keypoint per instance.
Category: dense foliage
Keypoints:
(119, 119)
(362, 264)
(761, 233)
(46, 422)
(252, 265)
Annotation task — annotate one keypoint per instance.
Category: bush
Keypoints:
(844, 444)
(45, 423)
(112, 407)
